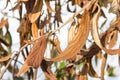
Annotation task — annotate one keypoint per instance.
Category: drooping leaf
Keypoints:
(5, 58)
(24, 69)
(34, 30)
(36, 54)
(95, 28)
(78, 42)
(97, 38)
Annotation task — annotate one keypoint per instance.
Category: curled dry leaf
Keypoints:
(97, 38)
(79, 40)
(36, 54)
(5, 58)
(34, 30)
(47, 2)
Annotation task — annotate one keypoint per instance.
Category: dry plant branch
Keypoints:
(70, 19)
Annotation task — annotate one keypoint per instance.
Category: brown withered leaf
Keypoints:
(97, 38)
(36, 54)
(47, 2)
(24, 69)
(34, 15)
(78, 42)
(5, 58)
(34, 30)
(95, 28)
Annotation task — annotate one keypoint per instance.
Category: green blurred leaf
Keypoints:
(8, 38)
(62, 65)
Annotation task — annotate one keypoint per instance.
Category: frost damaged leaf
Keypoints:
(47, 2)
(24, 69)
(5, 58)
(79, 40)
(34, 30)
(36, 54)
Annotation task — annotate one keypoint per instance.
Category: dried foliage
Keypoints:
(40, 27)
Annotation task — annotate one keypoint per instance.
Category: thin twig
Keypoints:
(70, 19)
